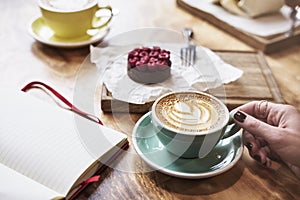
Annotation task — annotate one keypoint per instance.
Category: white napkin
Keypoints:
(209, 71)
(251, 8)
(262, 26)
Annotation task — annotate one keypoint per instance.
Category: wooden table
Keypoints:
(23, 59)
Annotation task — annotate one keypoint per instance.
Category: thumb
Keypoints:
(253, 125)
(294, 168)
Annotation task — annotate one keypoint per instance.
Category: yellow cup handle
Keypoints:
(98, 20)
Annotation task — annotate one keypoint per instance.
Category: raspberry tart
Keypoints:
(149, 65)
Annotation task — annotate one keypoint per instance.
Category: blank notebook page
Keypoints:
(44, 142)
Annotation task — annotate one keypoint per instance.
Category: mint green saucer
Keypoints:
(41, 32)
(222, 158)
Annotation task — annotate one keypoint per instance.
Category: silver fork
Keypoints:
(293, 18)
(188, 53)
(295, 6)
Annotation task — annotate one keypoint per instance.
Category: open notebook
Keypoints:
(46, 152)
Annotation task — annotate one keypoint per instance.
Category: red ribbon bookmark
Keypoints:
(87, 181)
(83, 185)
(43, 86)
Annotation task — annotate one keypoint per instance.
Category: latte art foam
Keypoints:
(189, 112)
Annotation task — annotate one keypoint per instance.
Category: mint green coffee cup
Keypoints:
(69, 20)
(190, 123)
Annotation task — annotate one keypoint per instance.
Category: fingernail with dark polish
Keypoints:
(257, 158)
(249, 146)
(239, 116)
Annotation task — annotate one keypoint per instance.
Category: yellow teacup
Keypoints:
(69, 20)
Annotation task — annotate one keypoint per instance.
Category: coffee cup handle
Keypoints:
(98, 20)
(231, 129)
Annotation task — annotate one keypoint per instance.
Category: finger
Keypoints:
(262, 157)
(261, 141)
(254, 126)
(255, 149)
(294, 169)
(250, 142)
(249, 138)
(255, 145)
(258, 109)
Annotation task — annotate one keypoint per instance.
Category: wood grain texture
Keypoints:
(23, 59)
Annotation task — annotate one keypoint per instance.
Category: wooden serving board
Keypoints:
(257, 83)
(265, 44)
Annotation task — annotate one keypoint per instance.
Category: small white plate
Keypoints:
(41, 32)
(222, 158)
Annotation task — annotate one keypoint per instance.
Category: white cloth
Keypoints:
(262, 26)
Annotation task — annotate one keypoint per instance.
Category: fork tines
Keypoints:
(188, 55)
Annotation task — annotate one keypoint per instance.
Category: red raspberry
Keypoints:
(162, 65)
(143, 53)
(145, 58)
(137, 49)
(132, 61)
(146, 49)
(165, 51)
(152, 59)
(164, 56)
(156, 48)
(133, 54)
(153, 54)
(141, 62)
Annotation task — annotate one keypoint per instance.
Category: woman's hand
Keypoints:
(271, 132)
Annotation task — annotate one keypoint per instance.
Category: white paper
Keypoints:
(209, 71)
(15, 186)
(262, 26)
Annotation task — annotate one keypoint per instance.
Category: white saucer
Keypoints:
(222, 158)
(41, 32)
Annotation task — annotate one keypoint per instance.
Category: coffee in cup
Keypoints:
(66, 5)
(190, 123)
(73, 18)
